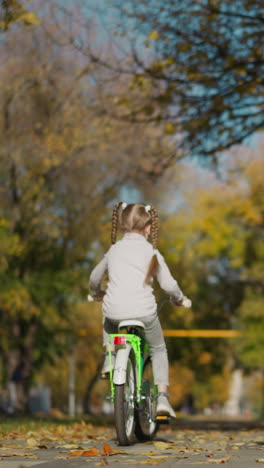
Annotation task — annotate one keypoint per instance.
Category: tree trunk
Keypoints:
(19, 365)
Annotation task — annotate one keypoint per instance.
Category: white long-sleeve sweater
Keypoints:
(127, 264)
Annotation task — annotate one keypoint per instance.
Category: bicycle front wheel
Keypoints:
(124, 404)
(146, 426)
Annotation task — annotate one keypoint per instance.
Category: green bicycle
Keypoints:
(132, 388)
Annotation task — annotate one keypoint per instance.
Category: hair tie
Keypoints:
(124, 205)
(147, 208)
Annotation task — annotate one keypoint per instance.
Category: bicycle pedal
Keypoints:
(162, 419)
(105, 376)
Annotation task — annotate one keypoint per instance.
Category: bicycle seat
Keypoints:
(131, 323)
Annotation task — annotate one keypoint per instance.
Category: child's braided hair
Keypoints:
(154, 226)
(115, 221)
(136, 216)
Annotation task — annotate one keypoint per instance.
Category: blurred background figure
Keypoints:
(17, 399)
(187, 405)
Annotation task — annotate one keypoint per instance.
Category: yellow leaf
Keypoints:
(70, 446)
(162, 445)
(32, 442)
(15, 454)
(153, 35)
(170, 61)
(149, 454)
(169, 128)
(29, 18)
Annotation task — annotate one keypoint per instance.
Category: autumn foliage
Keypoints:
(78, 132)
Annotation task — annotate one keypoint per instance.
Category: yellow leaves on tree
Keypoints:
(153, 36)
(169, 128)
(16, 302)
(10, 244)
(13, 11)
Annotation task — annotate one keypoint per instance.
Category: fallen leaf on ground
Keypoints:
(32, 443)
(107, 450)
(9, 445)
(70, 446)
(219, 460)
(162, 445)
(75, 453)
(92, 452)
(42, 446)
(149, 454)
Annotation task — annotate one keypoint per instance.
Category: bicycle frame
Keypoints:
(140, 347)
(118, 374)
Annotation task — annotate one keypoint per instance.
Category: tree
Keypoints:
(203, 62)
(213, 243)
(13, 11)
(63, 161)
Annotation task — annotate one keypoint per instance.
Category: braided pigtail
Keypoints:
(154, 264)
(115, 219)
(154, 227)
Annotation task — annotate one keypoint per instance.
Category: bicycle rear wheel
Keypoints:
(124, 405)
(145, 424)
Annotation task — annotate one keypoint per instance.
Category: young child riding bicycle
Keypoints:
(131, 264)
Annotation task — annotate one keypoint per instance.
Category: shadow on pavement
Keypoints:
(218, 425)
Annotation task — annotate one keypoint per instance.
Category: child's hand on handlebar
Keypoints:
(96, 297)
(185, 302)
(99, 296)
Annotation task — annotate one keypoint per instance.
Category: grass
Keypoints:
(26, 424)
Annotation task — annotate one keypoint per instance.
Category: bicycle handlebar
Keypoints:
(187, 303)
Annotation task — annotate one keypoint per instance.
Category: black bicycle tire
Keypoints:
(120, 411)
(139, 431)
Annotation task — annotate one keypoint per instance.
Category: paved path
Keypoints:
(183, 445)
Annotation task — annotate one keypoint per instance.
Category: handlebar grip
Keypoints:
(187, 303)
(90, 298)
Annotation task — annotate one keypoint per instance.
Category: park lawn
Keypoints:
(23, 426)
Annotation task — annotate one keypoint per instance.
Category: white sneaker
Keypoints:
(163, 405)
(106, 366)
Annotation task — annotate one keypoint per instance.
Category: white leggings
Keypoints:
(155, 339)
